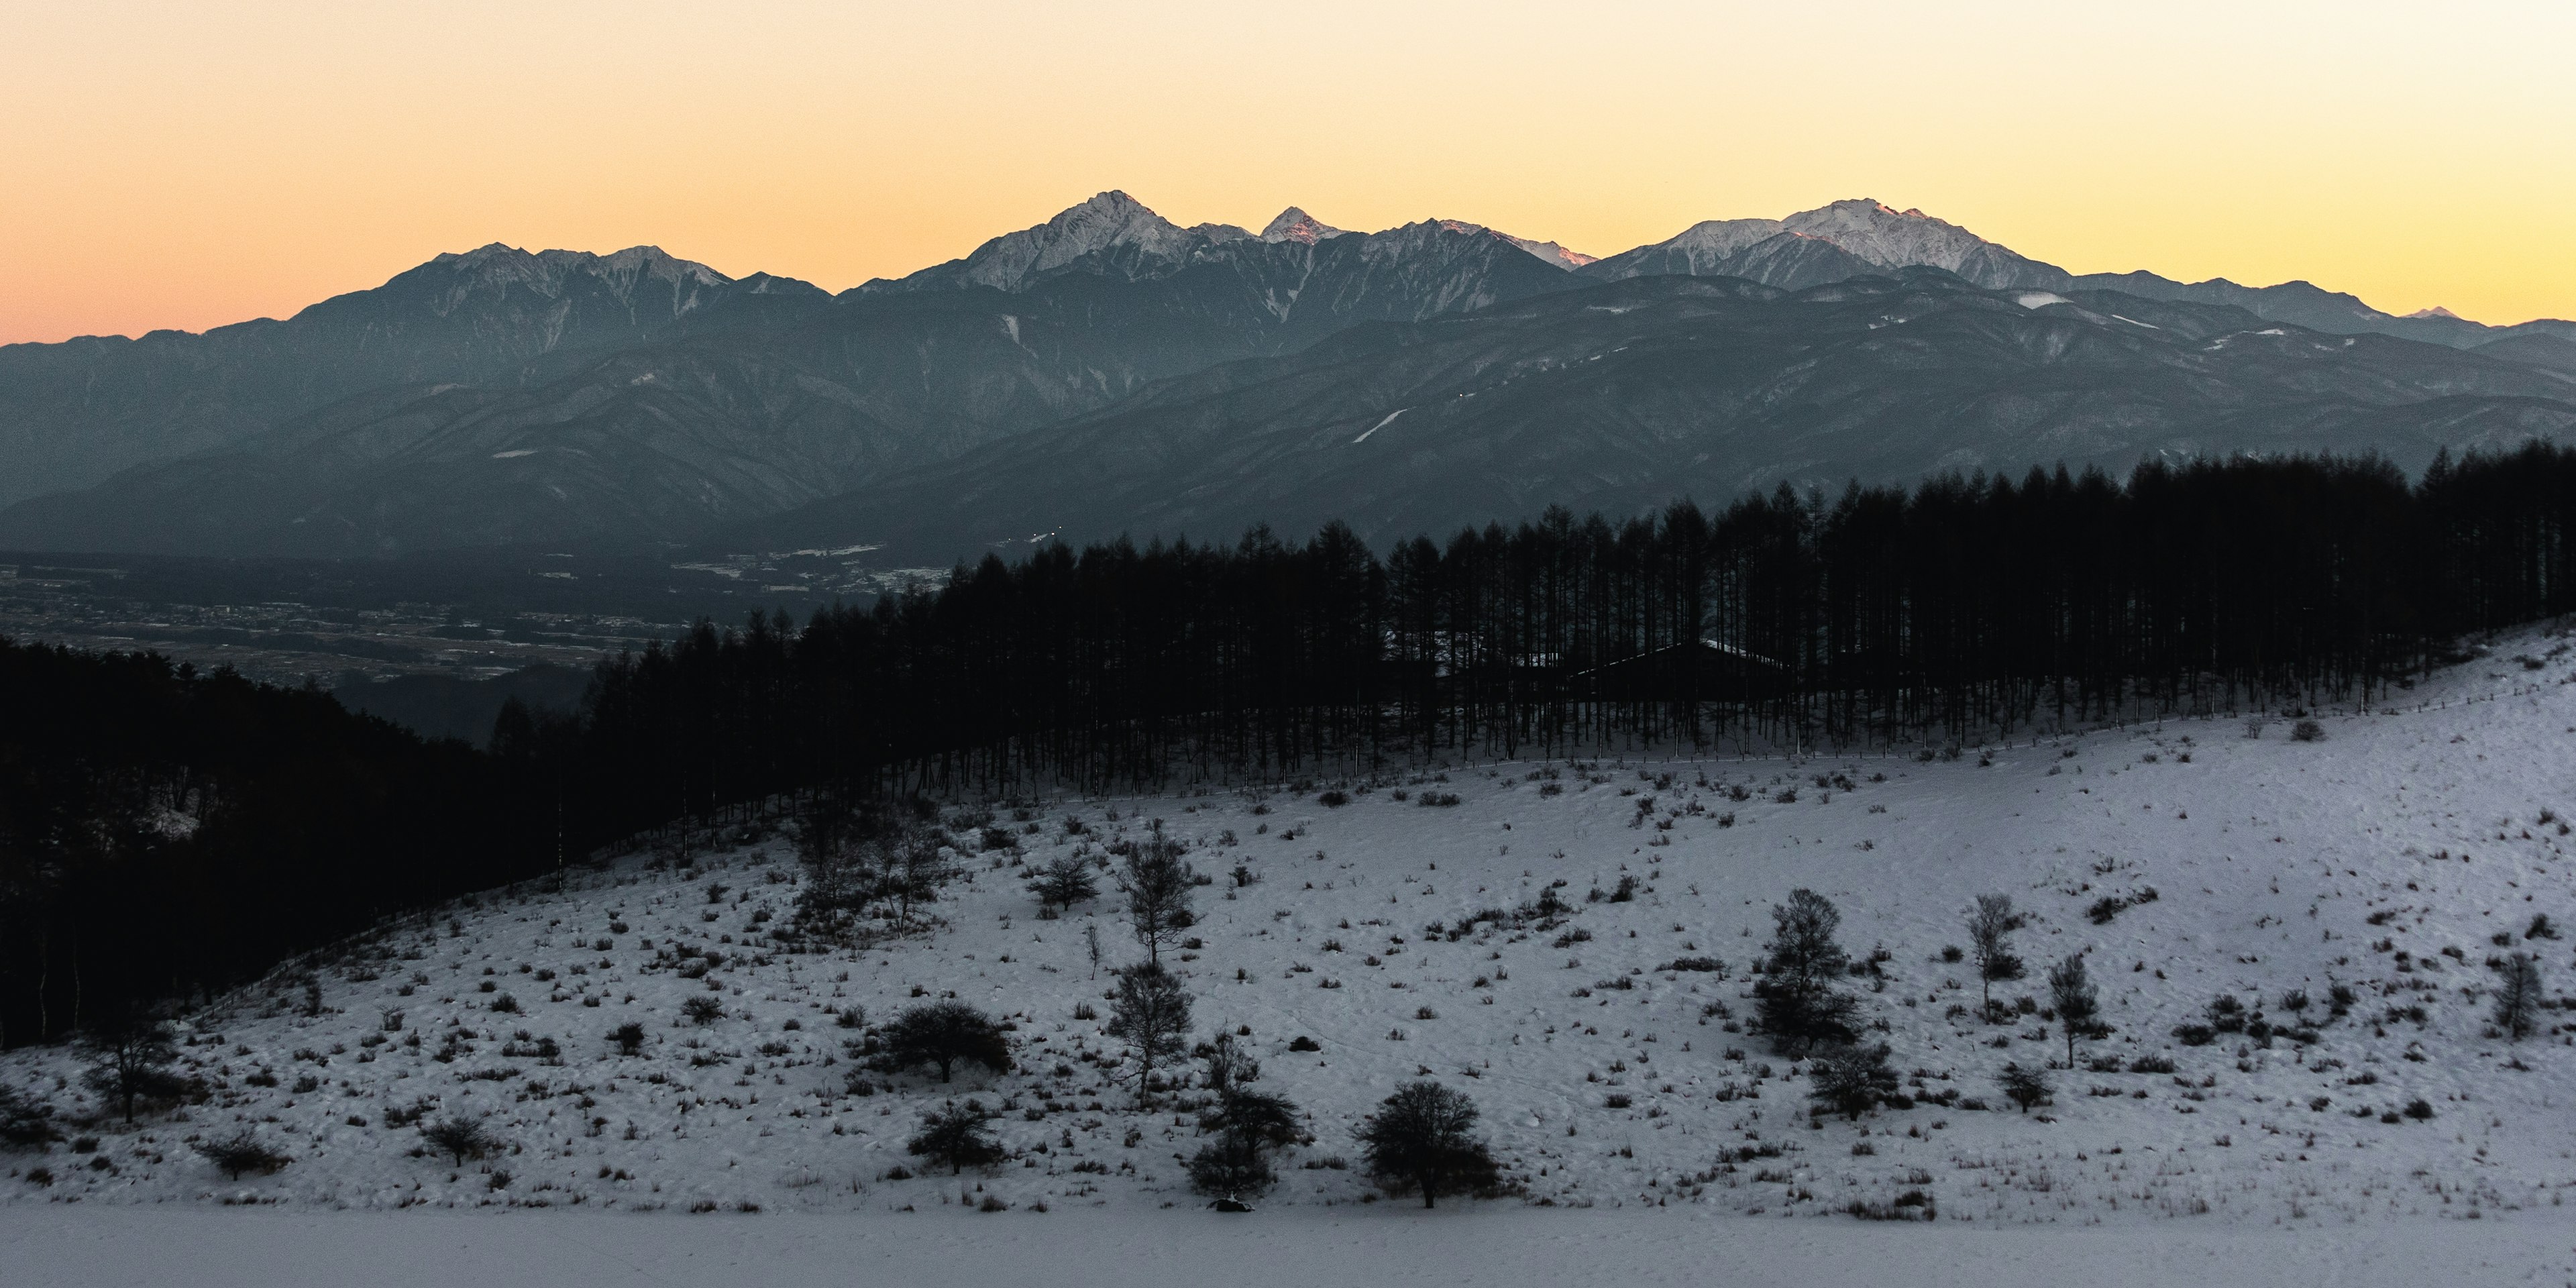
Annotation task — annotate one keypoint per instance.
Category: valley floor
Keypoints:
(2390, 859)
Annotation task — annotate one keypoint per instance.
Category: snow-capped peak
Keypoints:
(1552, 252)
(1888, 237)
(1295, 225)
(1109, 220)
(2437, 311)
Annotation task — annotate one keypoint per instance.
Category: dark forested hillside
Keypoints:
(164, 832)
(1957, 611)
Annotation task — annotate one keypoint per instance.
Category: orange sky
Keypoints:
(186, 165)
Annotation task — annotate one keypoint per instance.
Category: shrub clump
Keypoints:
(460, 1138)
(957, 1136)
(1851, 1081)
(25, 1121)
(241, 1153)
(2025, 1086)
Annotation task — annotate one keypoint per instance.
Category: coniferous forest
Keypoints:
(164, 833)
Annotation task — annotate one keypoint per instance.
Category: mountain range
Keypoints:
(1111, 371)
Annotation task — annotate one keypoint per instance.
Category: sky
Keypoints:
(188, 165)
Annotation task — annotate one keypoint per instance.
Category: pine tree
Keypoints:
(2518, 996)
(1247, 1124)
(1157, 884)
(1151, 1014)
(1799, 998)
(2077, 1002)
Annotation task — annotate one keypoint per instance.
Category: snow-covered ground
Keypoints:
(93, 1246)
(2387, 858)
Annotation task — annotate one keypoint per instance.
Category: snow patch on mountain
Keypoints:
(495, 269)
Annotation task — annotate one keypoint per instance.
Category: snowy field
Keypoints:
(99, 1247)
(2391, 859)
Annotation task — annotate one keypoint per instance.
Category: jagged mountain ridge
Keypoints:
(667, 441)
(504, 396)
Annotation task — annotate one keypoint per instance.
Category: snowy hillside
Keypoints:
(2371, 871)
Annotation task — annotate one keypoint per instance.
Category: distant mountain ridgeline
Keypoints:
(635, 401)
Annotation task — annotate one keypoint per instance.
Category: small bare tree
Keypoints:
(2025, 1086)
(1990, 927)
(1063, 882)
(957, 1136)
(241, 1153)
(459, 1138)
(130, 1054)
(1157, 884)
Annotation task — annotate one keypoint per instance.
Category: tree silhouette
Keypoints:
(1990, 927)
(1063, 882)
(1247, 1124)
(958, 1136)
(1151, 1014)
(130, 1053)
(1798, 997)
(2518, 996)
(2077, 1002)
(1423, 1137)
(946, 1034)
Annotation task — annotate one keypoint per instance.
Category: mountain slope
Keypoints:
(73, 413)
(665, 441)
(1628, 395)
(635, 400)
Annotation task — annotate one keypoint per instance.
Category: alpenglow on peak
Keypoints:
(1295, 225)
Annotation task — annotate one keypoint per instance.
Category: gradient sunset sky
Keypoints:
(187, 165)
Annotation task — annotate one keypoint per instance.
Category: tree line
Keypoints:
(1957, 611)
(164, 832)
